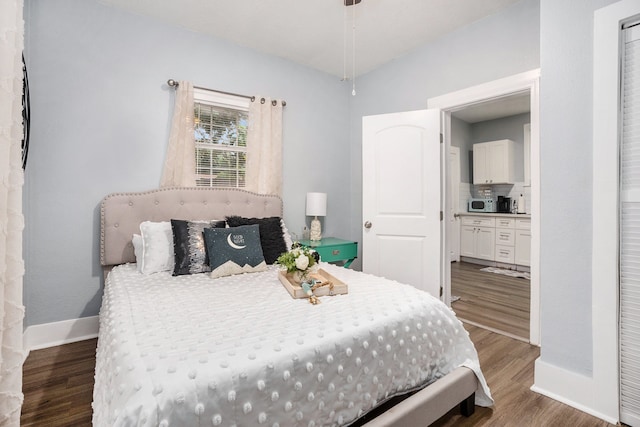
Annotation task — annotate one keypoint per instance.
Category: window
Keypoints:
(220, 126)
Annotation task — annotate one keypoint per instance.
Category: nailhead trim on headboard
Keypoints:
(122, 213)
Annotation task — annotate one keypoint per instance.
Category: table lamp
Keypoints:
(316, 206)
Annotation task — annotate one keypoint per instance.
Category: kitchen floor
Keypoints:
(493, 301)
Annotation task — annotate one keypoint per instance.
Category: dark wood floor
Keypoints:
(58, 385)
(508, 367)
(495, 301)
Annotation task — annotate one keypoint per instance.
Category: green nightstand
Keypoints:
(332, 249)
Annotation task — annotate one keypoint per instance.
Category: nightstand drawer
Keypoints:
(332, 249)
(337, 252)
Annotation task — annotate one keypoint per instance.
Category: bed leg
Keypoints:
(468, 406)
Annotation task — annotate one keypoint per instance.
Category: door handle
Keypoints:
(367, 224)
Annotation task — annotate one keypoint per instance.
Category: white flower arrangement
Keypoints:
(299, 261)
(302, 262)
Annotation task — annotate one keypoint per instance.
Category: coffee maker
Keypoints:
(503, 205)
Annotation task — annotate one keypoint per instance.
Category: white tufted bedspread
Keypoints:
(239, 351)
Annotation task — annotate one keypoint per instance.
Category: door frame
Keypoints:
(524, 82)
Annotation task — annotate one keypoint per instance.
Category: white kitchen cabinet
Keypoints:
(494, 237)
(477, 237)
(505, 237)
(486, 243)
(505, 254)
(505, 223)
(480, 169)
(523, 247)
(467, 241)
(505, 240)
(493, 162)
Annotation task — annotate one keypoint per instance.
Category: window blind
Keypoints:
(630, 230)
(221, 145)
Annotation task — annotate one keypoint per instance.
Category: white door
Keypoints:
(454, 187)
(629, 246)
(401, 198)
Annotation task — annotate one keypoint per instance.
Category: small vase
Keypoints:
(297, 277)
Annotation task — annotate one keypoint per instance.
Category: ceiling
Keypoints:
(499, 108)
(312, 32)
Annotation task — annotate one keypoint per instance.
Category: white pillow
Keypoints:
(137, 250)
(157, 247)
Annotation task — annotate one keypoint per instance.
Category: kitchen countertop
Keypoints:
(503, 215)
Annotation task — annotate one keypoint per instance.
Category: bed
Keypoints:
(239, 351)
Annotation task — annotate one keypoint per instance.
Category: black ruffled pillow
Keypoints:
(271, 238)
(189, 249)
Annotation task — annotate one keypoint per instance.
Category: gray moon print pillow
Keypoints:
(234, 250)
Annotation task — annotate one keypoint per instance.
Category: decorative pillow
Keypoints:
(271, 239)
(157, 247)
(189, 250)
(234, 250)
(137, 250)
(288, 242)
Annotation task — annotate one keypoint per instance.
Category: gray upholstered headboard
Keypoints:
(122, 213)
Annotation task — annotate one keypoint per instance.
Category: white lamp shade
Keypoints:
(316, 204)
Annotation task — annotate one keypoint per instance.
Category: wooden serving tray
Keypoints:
(296, 290)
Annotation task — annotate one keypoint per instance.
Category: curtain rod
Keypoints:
(174, 83)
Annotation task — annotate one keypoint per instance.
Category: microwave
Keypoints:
(481, 205)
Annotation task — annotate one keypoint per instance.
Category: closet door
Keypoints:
(630, 231)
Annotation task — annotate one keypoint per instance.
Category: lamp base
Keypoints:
(316, 231)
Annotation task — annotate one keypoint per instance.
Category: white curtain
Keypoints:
(11, 219)
(180, 163)
(264, 147)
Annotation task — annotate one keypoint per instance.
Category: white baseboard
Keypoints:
(569, 388)
(46, 335)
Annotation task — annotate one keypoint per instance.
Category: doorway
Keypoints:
(490, 287)
(492, 95)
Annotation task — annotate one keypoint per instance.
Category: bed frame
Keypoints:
(122, 213)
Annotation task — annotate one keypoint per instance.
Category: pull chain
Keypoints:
(353, 65)
(344, 45)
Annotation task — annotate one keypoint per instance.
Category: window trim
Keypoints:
(221, 99)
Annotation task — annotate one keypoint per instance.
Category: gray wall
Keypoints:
(100, 117)
(512, 128)
(566, 107)
(500, 45)
(461, 137)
